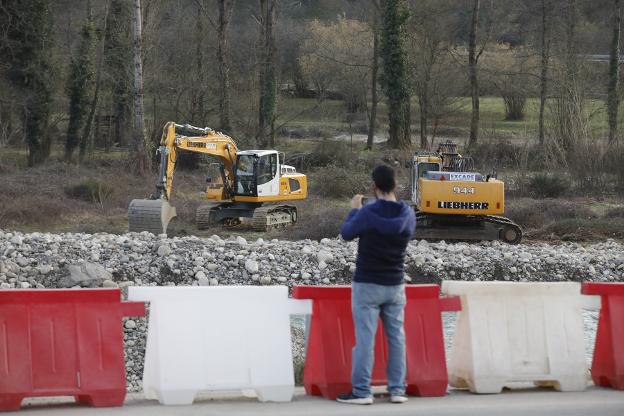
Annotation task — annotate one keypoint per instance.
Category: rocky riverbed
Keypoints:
(40, 260)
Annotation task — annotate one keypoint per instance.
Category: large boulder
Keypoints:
(85, 274)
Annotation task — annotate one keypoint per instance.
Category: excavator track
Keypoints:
(203, 216)
(482, 227)
(273, 216)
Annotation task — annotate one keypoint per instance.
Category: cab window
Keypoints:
(427, 167)
(245, 178)
(267, 168)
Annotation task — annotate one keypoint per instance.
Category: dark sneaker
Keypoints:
(351, 398)
(398, 398)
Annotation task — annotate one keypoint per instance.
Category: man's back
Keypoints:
(384, 228)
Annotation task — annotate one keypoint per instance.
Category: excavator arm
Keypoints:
(187, 138)
(155, 213)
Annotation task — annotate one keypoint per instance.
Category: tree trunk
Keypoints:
(422, 103)
(473, 74)
(372, 122)
(423, 97)
(96, 93)
(613, 100)
(545, 52)
(395, 80)
(199, 107)
(141, 161)
(266, 113)
(223, 61)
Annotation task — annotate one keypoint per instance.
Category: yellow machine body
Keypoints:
(461, 197)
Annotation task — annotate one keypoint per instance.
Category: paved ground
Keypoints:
(532, 402)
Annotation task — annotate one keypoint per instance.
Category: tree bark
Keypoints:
(141, 161)
(473, 73)
(545, 55)
(372, 122)
(266, 113)
(199, 107)
(423, 97)
(613, 100)
(98, 78)
(223, 60)
(395, 80)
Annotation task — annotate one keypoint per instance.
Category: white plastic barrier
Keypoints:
(218, 338)
(510, 332)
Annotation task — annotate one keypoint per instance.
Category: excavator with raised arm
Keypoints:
(251, 184)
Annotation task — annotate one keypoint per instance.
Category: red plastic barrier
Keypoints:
(327, 369)
(63, 343)
(608, 363)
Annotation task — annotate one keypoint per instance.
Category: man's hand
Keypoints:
(356, 201)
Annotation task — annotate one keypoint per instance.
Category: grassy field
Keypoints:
(329, 116)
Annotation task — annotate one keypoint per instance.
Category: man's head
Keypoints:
(384, 179)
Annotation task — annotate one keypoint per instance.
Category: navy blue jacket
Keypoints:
(384, 228)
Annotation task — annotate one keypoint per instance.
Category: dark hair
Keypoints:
(384, 178)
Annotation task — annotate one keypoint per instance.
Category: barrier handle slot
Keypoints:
(450, 303)
(300, 306)
(590, 302)
(132, 308)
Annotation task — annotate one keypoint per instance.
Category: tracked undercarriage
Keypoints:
(263, 217)
(466, 227)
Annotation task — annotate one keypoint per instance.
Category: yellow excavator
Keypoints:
(250, 183)
(453, 202)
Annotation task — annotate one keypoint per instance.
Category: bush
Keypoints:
(545, 185)
(617, 212)
(503, 154)
(584, 229)
(341, 181)
(91, 190)
(330, 152)
(531, 213)
(317, 220)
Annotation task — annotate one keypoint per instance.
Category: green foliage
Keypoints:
(27, 53)
(546, 185)
(79, 87)
(395, 77)
(91, 190)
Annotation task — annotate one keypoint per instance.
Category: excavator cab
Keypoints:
(423, 162)
(257, 173)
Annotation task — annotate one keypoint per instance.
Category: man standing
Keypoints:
(384, 228)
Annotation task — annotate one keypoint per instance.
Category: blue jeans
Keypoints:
(368, 302)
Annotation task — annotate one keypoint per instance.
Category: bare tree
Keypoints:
(473, 61)
(545, 56)
(268, 88)
(223, 60)
(372, 117)
(98, 81)
(613, 99)
(140, 158)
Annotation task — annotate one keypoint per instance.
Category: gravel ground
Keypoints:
(40, 260)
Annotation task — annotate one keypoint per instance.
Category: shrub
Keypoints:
(341, 181)
(617, 212)
(91, 190)
(317, 220)
(531, 213)
(545, 185)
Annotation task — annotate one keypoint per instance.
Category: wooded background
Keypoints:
(87, 75)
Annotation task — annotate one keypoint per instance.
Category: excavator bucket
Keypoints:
(151, 215)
